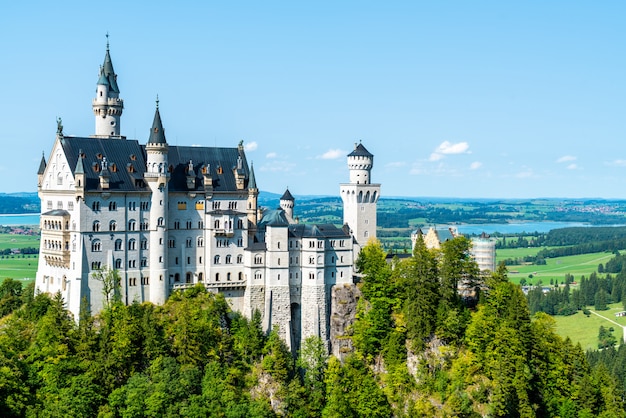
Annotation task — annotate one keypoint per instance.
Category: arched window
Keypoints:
(177, 277)
(95, 226)
(132, 244)
(131, 225)
(217, 277)
(112, 226)
(200, 277)
(228, 259)
(216, 224)
(188, 277)
(239, 259)
(160, 222)
(112, 206)
(216, 259)
(118, 245)
(96, 245)
(118, 263)
(200, 242)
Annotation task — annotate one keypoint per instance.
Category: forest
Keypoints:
(420, 349)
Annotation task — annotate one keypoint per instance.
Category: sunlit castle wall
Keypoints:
(484, 252)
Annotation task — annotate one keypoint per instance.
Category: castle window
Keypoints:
(240, 276)
(95, 206)
(258, 259)
(239, 242)
(332, 259)
(188, 243)
(200, 276)
(112, 206)
(311, 276)
(217, 277)
(228, 276)
(132, 264)
(176, 260)
(160, 259)
(70, 205)
(182, 205)
(188, 277)
(112, 226)
(341, 243)
(171, 243)
(132, 244)
(59, 205)
(132, 205)
(160, 222)
(240, 224)
(176, 224)
(239, 259)
(200, 260)
(131, 225)
(95, 226)
(216, 205)
(188, 260)
(49, 204)
(311, 260)
(144, 262)
(118, 245)
(145, 205)
(200, 242)
(311, 244)
(216, 259)
(95, 265)
(200, 205)
(228, 259)
(278, 261)
(200, 225)
(216, 224)
(96, 245)
(341, 259)
(258, 275)
(144, 244)
(144, 226)
(278, 245)
(320, 244)
(366, 234)
(118, 263)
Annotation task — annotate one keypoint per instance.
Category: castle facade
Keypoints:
(167, 217)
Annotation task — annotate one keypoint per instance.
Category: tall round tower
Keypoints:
(157, 177)
(107, 105)
(360, 196)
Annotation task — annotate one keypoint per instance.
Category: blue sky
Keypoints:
(454, 98)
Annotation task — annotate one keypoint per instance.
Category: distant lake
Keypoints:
(20, 219)
(516, 228)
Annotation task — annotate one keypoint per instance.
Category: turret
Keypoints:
(41, 171)
(287, 202)
(157, 176)
(360, 163)
(107, 106)
(79, 177)
(253, 194)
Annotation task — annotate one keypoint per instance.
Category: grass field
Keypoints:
(555, 268)
(18, 267)
(18, 241)
(584, 330)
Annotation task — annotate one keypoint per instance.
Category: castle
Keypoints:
(169, 217)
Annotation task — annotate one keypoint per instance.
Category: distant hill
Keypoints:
(11, 203)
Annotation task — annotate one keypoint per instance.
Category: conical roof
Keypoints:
(360, 151)
(252, 179)
(157, 133)
(287, 196)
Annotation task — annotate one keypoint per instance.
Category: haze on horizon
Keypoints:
(454, 99)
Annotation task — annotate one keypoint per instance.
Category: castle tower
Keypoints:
(107, 105)
(253, 196)
(157, 177)
(287, 202)
(360, 196)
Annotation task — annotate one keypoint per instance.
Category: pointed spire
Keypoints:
(157, 133)
(79, 164)
(107, 70)
(42, 164)
(251, 179)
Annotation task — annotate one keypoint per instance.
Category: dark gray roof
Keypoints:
(127, 164)
(126, 161)
(252, 181)
(317, 231)
(275, 217)
(287, 196)
(42, 165)
(221, 163)
(57, 212)
(157, 133)
(444, 235)
(360, 151)
(109, 73)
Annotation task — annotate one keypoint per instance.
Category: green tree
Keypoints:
(10, 296)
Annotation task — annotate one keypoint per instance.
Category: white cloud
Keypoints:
(251, 146)
(527, 173)
(566, 158)
(618, 163)
(271, 155)
(332, 154)
(475, 165)
(572, 167)
(448, 148)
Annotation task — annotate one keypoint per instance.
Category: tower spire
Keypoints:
(107, 106)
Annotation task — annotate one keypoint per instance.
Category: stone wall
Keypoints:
(343, 312)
